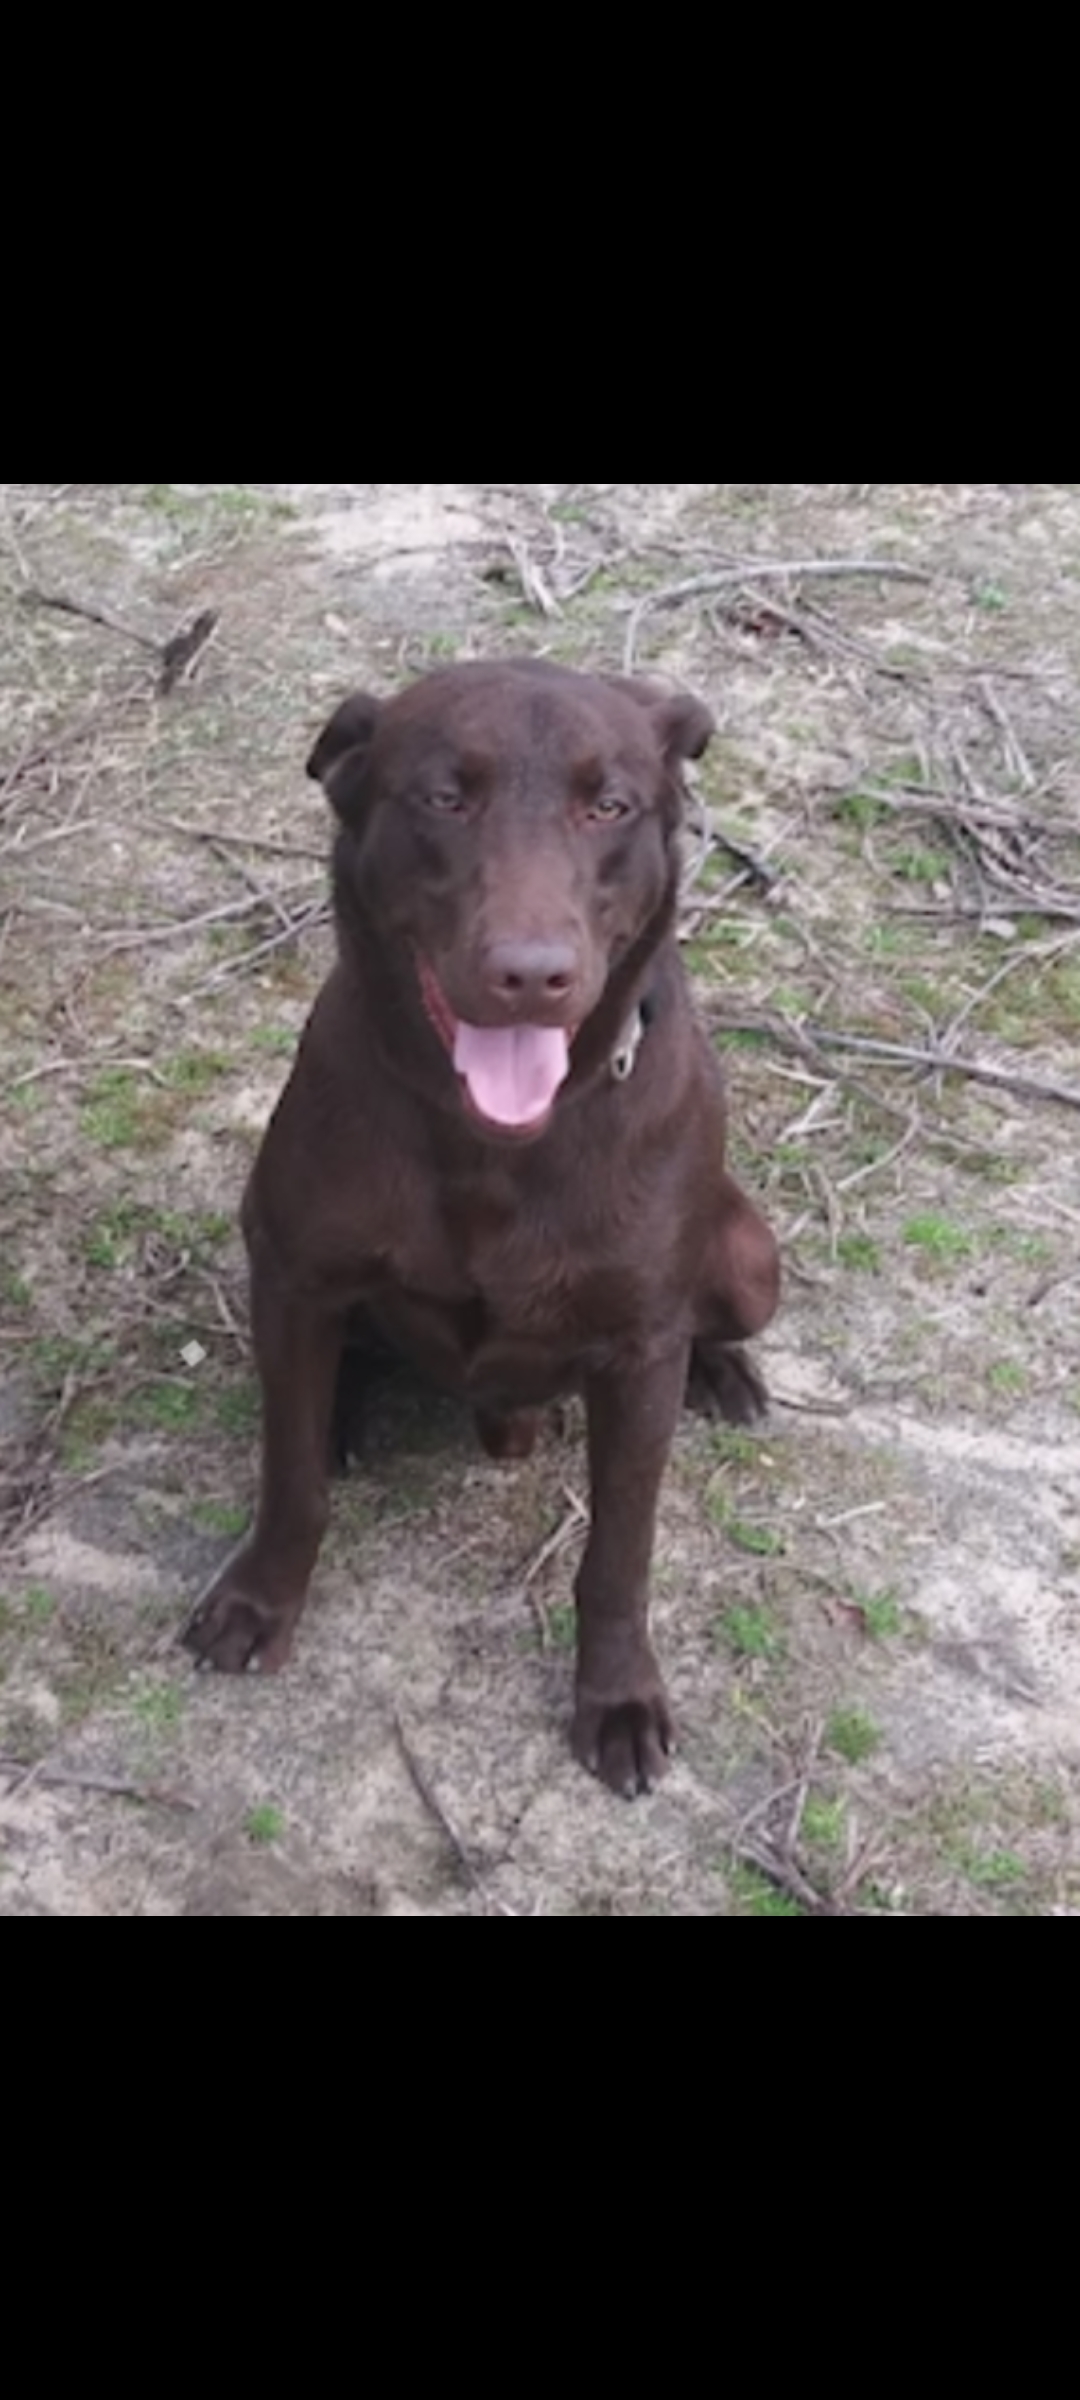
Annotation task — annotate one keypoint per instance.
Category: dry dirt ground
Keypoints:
(869, 1614)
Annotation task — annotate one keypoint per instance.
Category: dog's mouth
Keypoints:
(511, 1073)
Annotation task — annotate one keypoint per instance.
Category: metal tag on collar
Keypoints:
(622, 1061)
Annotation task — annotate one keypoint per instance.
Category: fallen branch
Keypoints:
(177, 658)
(35, 598)
(87, 1067)
(802, 1793)
(39, 754)
(1052, 1283)
(534, 584)
(754, 868)
(807, 1040)
(759, 570)
(1016, 759)
(445, 1823)
(76, 830)
(813, 628)
(181, 654)
(1023, 901)
(777, 1859)
(1034, 953)
(787, 1877)
(318, 914)
(24, 1773)
(810, 1408)
(871, 1854)
(906, 799)
(575, 1522)
(220, 840)
(897, 1054)
(36, 1494)
(576, 1516)
(140, 936)
(270, 900)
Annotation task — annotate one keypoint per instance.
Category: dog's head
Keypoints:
(510, 829)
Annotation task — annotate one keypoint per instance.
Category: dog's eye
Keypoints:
(606, 809)
(446, 804)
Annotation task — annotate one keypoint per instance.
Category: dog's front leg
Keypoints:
(248, 1616)
(622, 1722)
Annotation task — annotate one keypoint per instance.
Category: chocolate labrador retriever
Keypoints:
(501, 1148)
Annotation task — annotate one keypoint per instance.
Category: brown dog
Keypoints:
(501, 1149)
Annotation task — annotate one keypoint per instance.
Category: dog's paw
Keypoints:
(627, 1743)
(723, 1382)
(233, 1629)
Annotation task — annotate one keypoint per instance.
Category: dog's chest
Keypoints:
(487, 1288)
(483, 1253)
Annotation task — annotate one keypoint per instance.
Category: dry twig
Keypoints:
(445, 1823)
(807, 1040)
(28, 1772)
(39, 754)
(34, 597)
(319, 913)
(755, 570)
(573, 1523)
(219, 839)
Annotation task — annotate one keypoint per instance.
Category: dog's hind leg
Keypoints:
(740, 1286)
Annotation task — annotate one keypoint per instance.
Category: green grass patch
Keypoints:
(918, 862)
(1007, 1378)
(116, 1235)
(823, 1822)
(166, 1406)
(112, 1114)
(755, 1896)
(882, 1615)
(39, 1604)
(732, 1447)
(237, 1409)
(264, 1824)
(279, 1040)
(194, 1071)
(852, 1736)
(859, 1252)
(158, 1706)
(221, 1516)
(750, 1633)
(758, 1541)
(990, 1870)
(939, 1239)
(861, 810)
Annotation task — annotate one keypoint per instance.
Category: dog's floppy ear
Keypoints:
(683, 725)
(339, 758)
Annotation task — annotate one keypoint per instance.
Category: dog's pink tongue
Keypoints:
(513, 1071)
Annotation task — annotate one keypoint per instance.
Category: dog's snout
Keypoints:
(531, 975)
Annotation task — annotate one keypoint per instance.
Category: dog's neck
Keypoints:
(609, 1041)
(624, 1056)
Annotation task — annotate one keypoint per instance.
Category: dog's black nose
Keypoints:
(531, 975)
